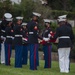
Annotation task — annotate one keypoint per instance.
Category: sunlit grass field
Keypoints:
(11, 70)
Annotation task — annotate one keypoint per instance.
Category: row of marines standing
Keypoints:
(13, 33)
(24, 36)
(31, 36)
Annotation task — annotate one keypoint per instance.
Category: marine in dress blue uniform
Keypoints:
(69, 25)
(65, 35)
(18, 42)
(8, 41)
(47, 46)
(33, 41)
(25, 44)
(3, 26)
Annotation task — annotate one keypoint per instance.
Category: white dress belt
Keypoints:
(8, 36)
(46, 39)
(64, 37)
(3, 30)
(18, 35)
(31, 32)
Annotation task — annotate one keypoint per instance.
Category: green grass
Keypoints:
(10, 70)
(74, 30)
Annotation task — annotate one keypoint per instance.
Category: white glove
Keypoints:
(24, 39)
(49, 35)
(12, 38)
(46, 39)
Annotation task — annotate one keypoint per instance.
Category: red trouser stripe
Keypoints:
(9, 54)
(34, 57)
(48, 56)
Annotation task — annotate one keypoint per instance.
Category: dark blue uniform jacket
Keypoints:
(32, 33)
(64, 30)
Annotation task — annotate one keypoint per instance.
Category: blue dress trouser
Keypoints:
(34, 59)
(8, 50)
(0, 47)
(47, 55)
(18, 56)
(25, 55)
(0, 52)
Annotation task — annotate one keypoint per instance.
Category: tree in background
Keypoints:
(5, 6)
(67, 5)
(27, 7)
